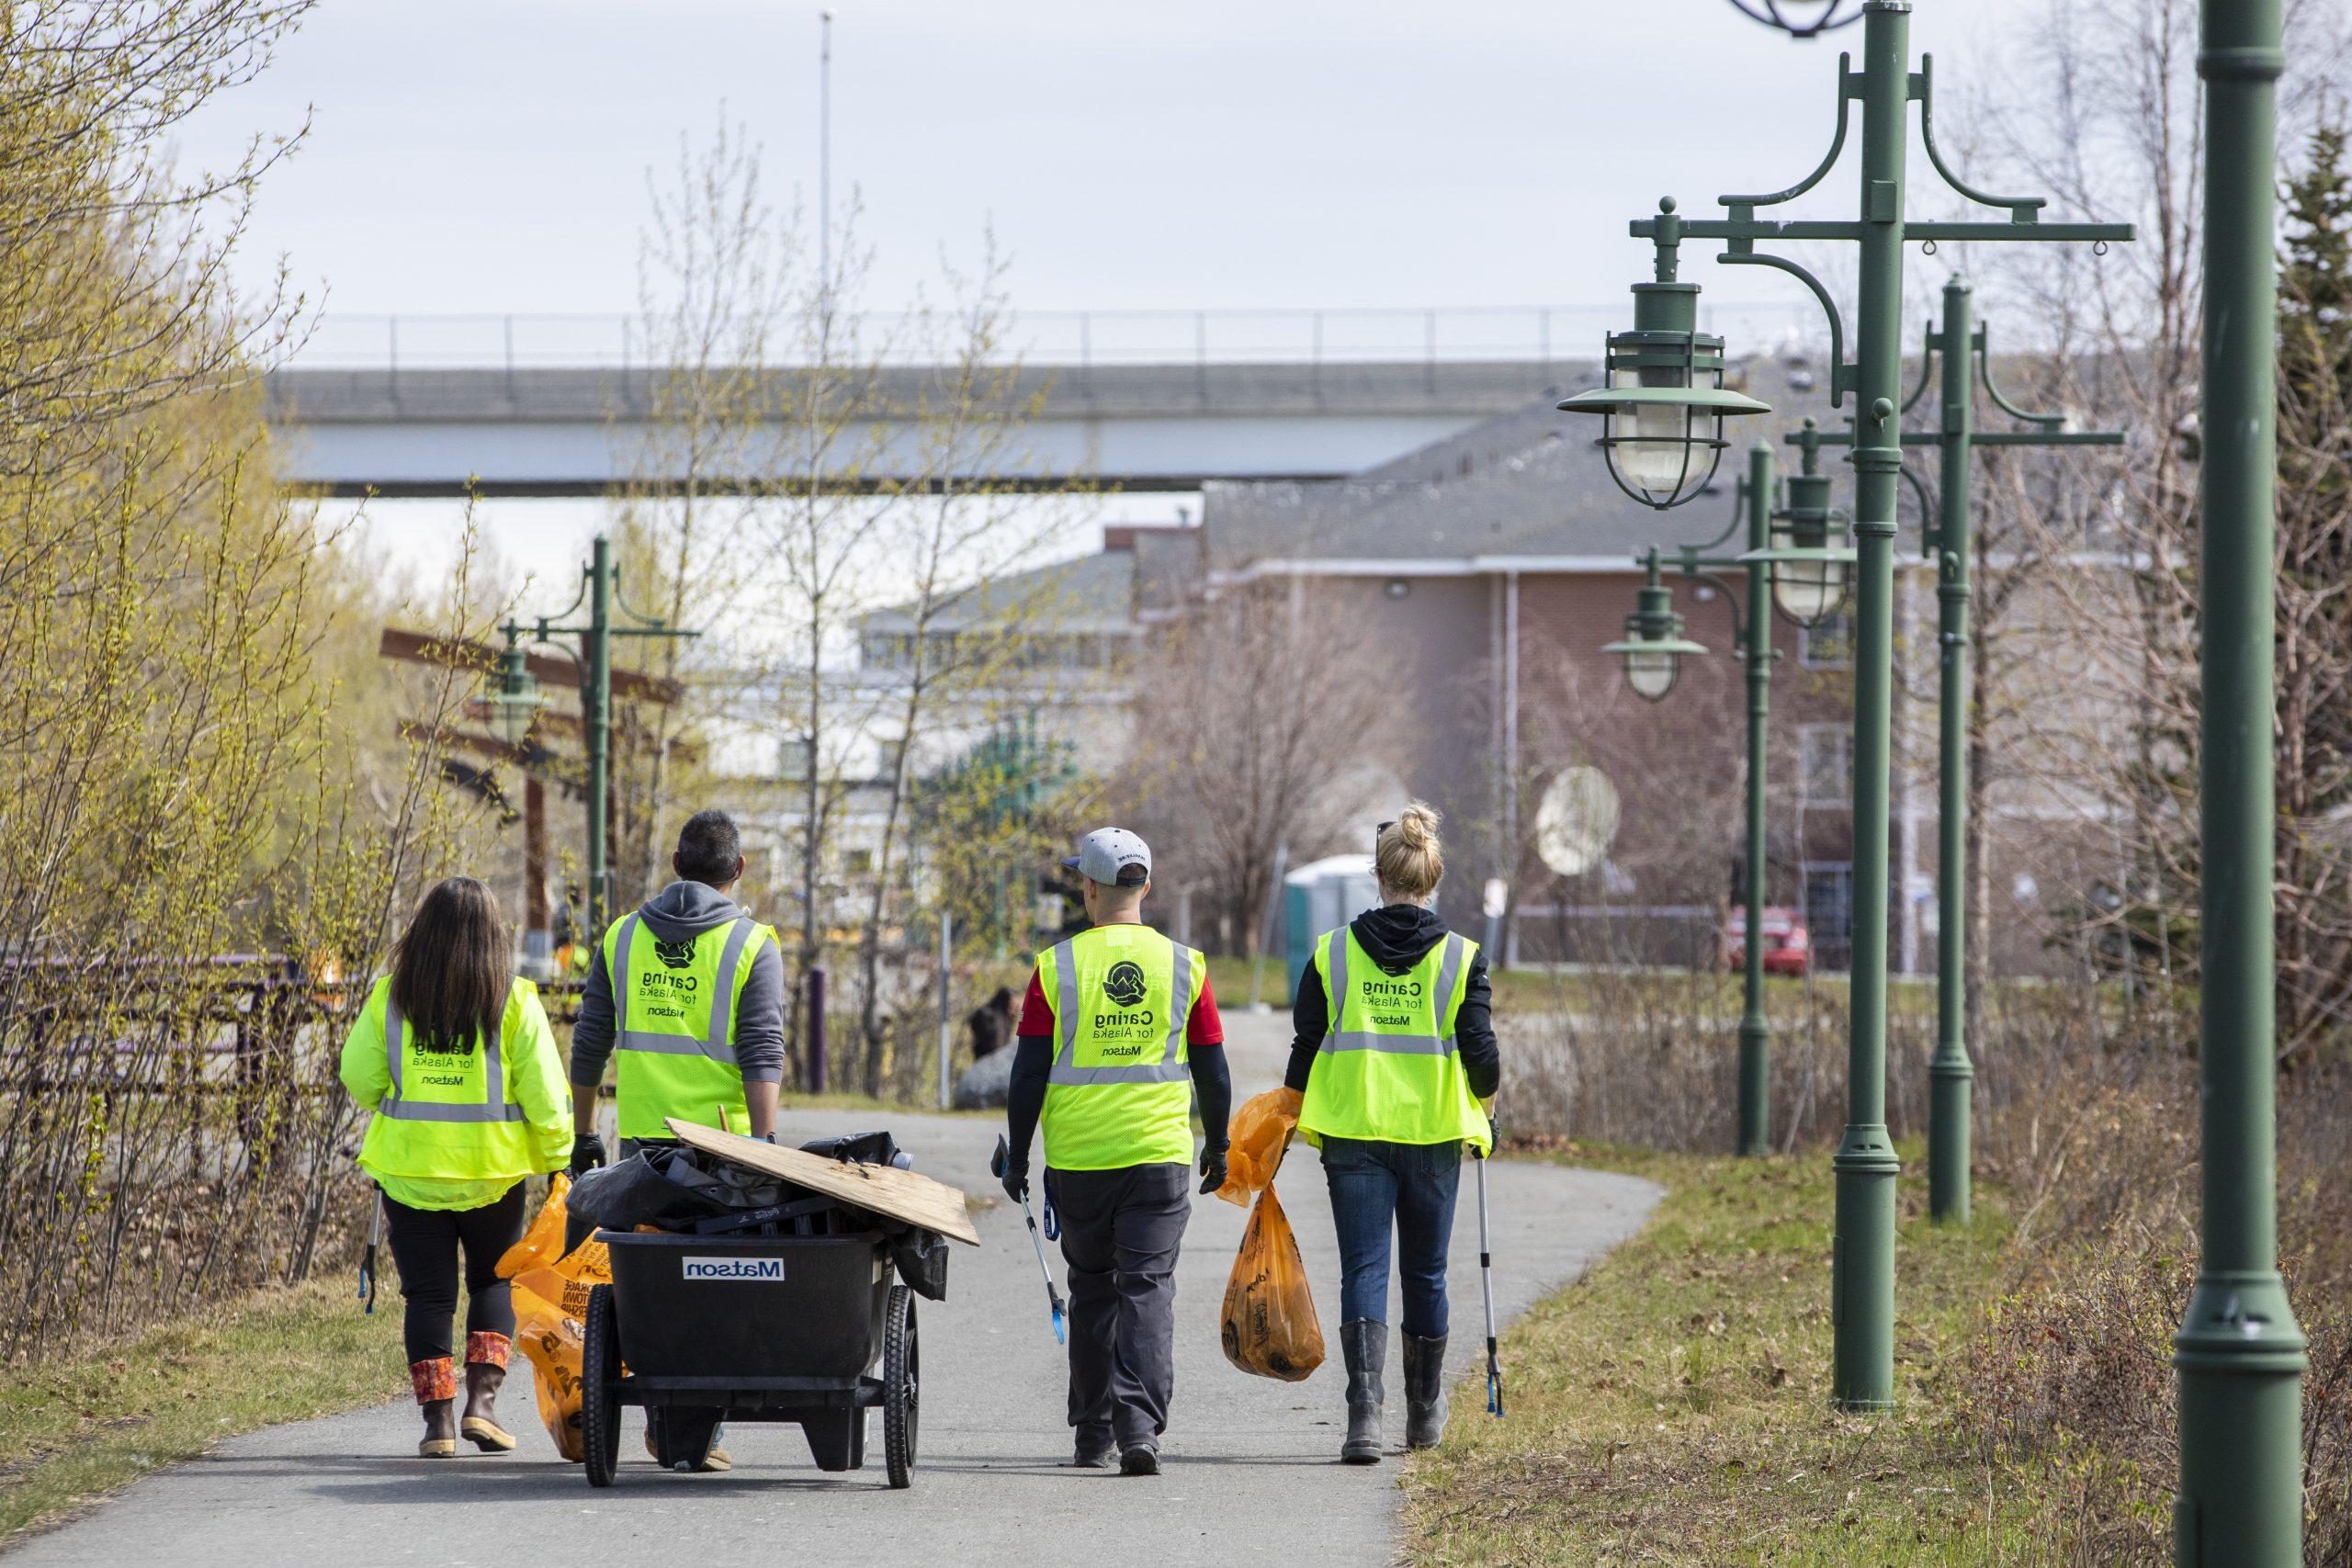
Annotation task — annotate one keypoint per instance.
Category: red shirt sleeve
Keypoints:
(1036, 1017)
(1202, 1026)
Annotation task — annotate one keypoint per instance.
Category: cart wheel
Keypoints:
(901, 1367)
(600, 1406)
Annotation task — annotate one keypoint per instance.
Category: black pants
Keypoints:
(426, 1245)
(1120, 1232)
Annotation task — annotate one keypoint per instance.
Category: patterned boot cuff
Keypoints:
(435, 1379)
(487, 1349)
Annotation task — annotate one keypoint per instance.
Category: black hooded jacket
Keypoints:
(1396, 938)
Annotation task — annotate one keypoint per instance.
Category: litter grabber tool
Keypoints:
(368, 1258)
(1486, 1278)
(1053, 1294)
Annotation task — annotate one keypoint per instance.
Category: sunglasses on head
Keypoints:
(1382, 827)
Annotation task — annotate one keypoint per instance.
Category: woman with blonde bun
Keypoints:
(1392, 1052)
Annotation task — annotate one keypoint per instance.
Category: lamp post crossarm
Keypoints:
(1743, 252)
(1848, 89)
(2049, 424)
(1927, 356)
(1803, 229)
(2023, 209)
(621, 597)
(1693, 565)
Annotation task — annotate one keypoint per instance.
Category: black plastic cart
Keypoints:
(814, 1329)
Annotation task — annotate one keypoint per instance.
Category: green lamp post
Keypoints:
(514, 705)
(2239, 1353)
(1958, 349)
(1792, 576)
(1862, 1248)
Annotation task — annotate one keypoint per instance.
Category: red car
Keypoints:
(1787, 949)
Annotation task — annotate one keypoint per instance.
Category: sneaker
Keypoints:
(1141, 1460)
(1095, 1456)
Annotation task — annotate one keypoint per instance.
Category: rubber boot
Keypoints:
(1425, 1403)
(1365, 1344)
(435, 1382)
(485, 1372)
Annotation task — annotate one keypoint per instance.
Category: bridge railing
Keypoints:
(1533, 333)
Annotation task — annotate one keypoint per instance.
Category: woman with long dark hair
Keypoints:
(453, 1055)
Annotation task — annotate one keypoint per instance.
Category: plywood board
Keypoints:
(901, 1194)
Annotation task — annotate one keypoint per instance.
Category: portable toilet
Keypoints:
(1323, 896)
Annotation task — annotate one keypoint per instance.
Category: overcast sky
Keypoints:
(489, 155)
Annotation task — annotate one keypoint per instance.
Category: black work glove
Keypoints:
(587, 1153)
(1212, 1170)
(1016, 1178)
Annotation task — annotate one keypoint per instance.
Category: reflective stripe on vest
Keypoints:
(720, 1044)
(1170, 1068)
(495, 1107)
(1449, 971)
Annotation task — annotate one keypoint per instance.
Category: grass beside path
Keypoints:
(76, 1428)
(1672, 1406)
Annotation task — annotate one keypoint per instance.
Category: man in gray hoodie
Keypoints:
(687, 991)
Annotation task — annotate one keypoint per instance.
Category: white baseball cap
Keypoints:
(1112, 856)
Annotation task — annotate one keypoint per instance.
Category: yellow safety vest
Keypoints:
(1388, 1070)
(1120, 1092)
(674, 1023)
(457, 1128)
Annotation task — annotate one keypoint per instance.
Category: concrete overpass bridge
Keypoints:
(549, 406)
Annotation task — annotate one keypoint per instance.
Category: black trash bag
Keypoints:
(668, 1186)
(921, 1259)
(862, 1148)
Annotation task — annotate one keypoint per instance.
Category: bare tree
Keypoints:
(974, 626)
(2113, 544)
(712, 267)
(1265, 706)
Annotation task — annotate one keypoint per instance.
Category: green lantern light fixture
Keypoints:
(1663, 401)
(1809, 555)
(515, 706)
(1653, 647)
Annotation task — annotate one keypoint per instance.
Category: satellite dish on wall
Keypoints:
(1577, 821)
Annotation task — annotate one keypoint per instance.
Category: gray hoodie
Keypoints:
(684, 909)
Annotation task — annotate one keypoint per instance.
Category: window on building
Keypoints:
(1829, 904)
(1826, 764)
(1829, 646)
(885, 758)
(886, 651)
(796, 759)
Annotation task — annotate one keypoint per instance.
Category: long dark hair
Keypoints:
(453, 966)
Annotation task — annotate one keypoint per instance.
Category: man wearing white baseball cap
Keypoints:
(1119, 1028)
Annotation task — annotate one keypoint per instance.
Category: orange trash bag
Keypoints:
(1257, 1135)
(1269, 1325)
(551, 1290)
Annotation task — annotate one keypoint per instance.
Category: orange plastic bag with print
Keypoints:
(1257, 1137)
(551, 1290)
(1269, 1326)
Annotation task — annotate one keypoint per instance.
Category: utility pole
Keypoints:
(825, 151)
(2239, 1352)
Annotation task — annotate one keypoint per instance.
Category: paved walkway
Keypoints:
(1250, 1474)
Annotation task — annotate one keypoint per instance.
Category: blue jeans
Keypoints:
(1411, 1186)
